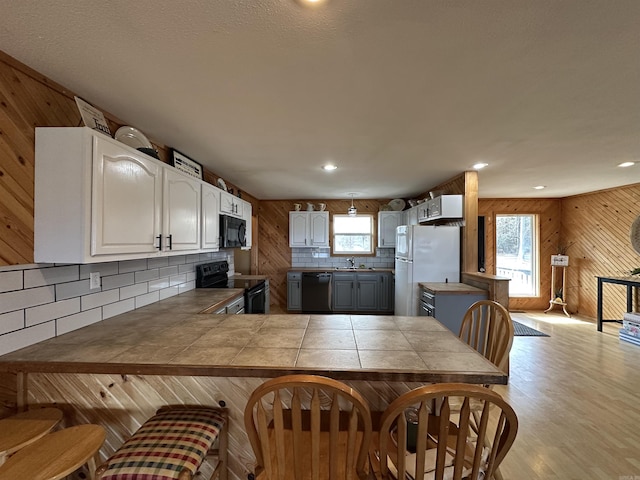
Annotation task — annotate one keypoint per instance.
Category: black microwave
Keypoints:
(233, 232)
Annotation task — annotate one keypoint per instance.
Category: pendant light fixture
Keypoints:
(352, 212)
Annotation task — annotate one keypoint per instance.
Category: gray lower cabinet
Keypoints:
(344, 292)
(448, 302)
(363, 292)
(294, 291)
(387, 292)
(367, 292)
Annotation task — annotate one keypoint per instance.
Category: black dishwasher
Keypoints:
(316, 292)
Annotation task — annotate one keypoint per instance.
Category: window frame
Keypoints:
(373, 237)
(535, 254)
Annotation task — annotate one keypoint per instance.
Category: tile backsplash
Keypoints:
(321, 258)
(42, 301)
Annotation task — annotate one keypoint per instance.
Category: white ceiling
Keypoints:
(400, 94)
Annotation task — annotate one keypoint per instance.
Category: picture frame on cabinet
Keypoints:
(92, 117)
(186, 165)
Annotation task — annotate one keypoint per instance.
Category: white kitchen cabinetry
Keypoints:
(210, 217)
(444, 206)
(99, 200)
(410, 216)
(387, 223)
(247, 212)
(308, 229)
(181, 200)
(231, 205)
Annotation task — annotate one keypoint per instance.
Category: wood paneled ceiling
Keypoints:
(400, 95)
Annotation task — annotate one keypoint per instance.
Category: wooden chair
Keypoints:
(445, 443)
(307, 426)
(488, 328)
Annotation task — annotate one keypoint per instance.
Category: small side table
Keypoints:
(555, 300)
(20, 430)
(56, 455)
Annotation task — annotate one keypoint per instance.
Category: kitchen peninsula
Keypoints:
(118, 371)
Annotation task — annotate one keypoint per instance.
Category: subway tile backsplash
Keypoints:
(321, 258)
(38, 302)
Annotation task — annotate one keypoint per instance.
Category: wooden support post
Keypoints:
(22, 391)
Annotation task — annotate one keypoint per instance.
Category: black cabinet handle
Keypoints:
(159, 237)
(170, 237)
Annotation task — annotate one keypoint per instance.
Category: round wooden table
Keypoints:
(56, 455)
(24, 428)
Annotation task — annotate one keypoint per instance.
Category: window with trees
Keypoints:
(352, 234)
(517, 253)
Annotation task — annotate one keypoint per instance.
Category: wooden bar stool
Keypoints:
(171, 445)
(20, 430)
(56, 455)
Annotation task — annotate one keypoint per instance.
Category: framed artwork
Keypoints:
(186, 165)
(92, 117)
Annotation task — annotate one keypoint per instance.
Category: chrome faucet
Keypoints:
(352, 262)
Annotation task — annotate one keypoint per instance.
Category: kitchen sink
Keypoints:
(353, 268)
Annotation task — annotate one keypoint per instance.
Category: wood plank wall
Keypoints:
(28, 100)
(548, 211)
(599, 223)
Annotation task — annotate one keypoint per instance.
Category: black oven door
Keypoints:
(254, 301)
(233, 231)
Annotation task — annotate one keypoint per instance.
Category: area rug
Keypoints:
(521, 330)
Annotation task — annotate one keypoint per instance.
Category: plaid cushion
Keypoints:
(165, 444)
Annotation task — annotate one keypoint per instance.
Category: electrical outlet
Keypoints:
(94, 280)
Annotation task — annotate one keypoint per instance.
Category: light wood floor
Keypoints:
(577, 396)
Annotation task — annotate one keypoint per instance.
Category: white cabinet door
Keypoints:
(319, 229)
(181, 206)
(230, 205)
(210, 217)
(298, 229)
(412, 216)
(308, 229)
(247, 212)
(126, 201)
(387, 223)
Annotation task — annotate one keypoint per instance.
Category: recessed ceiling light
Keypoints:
(311, 3)
(627, 164)
(539, 187)
(329, 167)
(480, 166)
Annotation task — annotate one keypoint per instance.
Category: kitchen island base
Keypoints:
(122, 403)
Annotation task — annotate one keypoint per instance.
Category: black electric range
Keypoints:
(215, 275)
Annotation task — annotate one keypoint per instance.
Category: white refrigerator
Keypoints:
(424, 253)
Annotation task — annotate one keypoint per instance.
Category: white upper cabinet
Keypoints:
(181, 202)
(387, 223)
(210, 217)
(99, 200)
(444, 206)
(247, 212)
(309, 229)
(231, 205)
(125, 202)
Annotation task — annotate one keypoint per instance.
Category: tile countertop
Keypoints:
(451, 288)
(240, 276)
(339, 269)
(170, 337)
